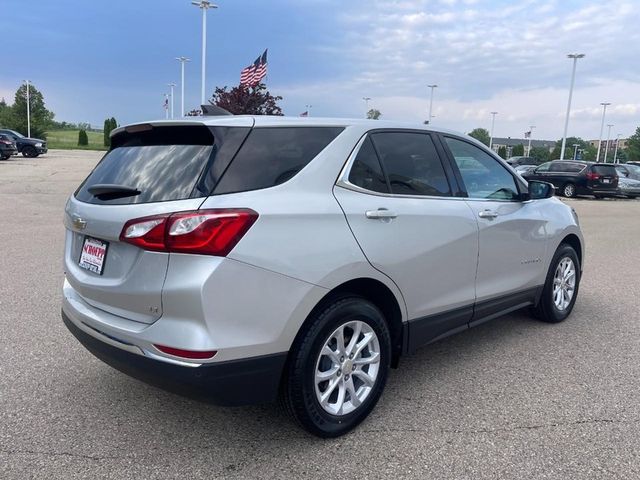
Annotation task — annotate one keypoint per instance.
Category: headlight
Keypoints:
(38, 144)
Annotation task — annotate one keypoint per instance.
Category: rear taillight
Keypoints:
(205, 232)
(592, 176)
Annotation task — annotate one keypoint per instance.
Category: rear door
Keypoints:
(399, 200)
(512, 233)
(170, 168)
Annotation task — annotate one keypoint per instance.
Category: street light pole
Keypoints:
(204, 5)
(575, 150)
(166, 106)
(431, 103)
(606, 148)
(171, 85)
(28, 111)
(531, 127)
(604, 111)
(182, 61)
(366, 101)
(493, 121)
(575, 57)
(615, 153)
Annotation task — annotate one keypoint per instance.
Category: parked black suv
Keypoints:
(7, 147)
(29, 147)
(573, 178)
(517, 161)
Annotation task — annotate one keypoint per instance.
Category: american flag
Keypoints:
(527, 134)
(305, 114)
(254, 73)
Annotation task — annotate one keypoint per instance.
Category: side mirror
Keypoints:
(538, 190)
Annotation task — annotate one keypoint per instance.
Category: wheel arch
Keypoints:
(377, 293)
(574, 241)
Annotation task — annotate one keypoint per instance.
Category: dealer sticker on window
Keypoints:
(93, 254)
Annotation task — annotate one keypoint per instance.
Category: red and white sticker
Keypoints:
(93, 254)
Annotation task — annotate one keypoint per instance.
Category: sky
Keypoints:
(94, 60)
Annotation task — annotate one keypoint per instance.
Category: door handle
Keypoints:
(381, 213)
(488, 214)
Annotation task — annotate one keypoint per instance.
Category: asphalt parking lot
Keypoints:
(513, 398)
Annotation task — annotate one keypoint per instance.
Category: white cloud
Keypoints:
(504, 56)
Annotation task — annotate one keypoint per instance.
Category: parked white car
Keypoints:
(249, 257)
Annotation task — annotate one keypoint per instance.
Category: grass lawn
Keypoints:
(68, 139)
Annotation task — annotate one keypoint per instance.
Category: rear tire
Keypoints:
(561, 286)
(5, 157)
(569, 190)
(330, 388)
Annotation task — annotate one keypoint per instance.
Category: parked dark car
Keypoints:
(573, 178)
(516, 161)
(29, 147)
(7, 147)
(522, 169)
(627, 170)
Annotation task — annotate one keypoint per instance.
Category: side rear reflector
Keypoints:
(190, 354)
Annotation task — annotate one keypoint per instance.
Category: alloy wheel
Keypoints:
(564, 283)
(347, 368)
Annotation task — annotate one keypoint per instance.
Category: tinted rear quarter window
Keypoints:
(272, 155)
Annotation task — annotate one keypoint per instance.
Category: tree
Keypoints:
(482, 135)
(633, 147)
(243, 100)
(83, 139)
(40, 117)
(6, 115)
(110, 124)
(539, 153)
(588, 152)
(517, 150)
(374, 114)
(502, 151)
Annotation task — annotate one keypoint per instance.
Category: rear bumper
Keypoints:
(230, 383)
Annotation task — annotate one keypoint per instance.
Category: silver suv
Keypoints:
(245, 258)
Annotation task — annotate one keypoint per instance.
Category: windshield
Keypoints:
(19, 135)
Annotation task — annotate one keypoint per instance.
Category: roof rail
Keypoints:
(214, 111)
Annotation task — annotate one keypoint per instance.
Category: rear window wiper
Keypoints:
(107, 191)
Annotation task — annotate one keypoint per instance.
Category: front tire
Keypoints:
(569, 190)
(29, 152)
(338, 367)
(561, 286)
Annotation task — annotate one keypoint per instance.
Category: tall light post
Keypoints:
(604, 111)
(575, 57)
(575, 150)
(204, 5)
(28, 111)
(171, 85)
(493, 122)
(606, 148)
(431, 102)
(366, 102)
(182, 61)
(166, 105)
(615, 153)
(531, 127)
(308, 107)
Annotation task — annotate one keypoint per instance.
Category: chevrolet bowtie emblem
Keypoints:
(79, 223)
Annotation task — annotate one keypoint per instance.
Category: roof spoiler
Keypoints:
(214, 111)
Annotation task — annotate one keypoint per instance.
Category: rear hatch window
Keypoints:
(160, 164)
(605, 170)
(272, 155)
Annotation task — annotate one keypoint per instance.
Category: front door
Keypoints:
(512, 232)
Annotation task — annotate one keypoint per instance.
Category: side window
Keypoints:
(482, 174)
(411, 163)
(575, 167)
(543, 168)
(366, 171)
(558, 167)
(272, 155)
